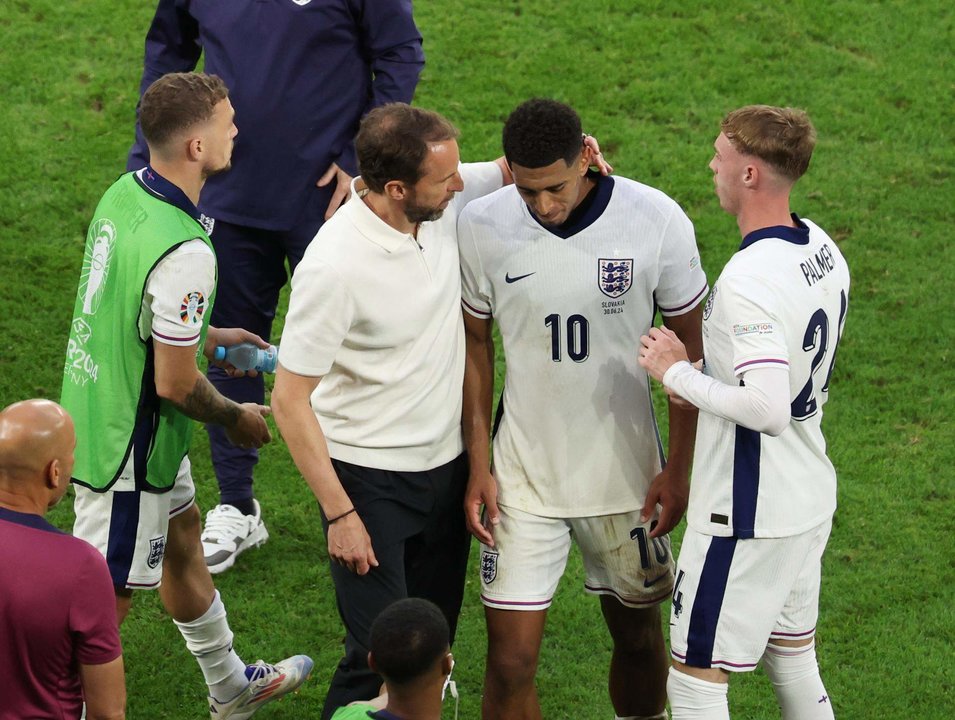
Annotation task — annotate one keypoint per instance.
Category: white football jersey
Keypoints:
(780, 302)
(578, 435)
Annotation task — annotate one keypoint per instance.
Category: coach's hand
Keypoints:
(672, 492)
(350, 546)
(342, 187)
(482, 490)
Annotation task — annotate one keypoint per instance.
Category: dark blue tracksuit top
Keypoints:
(301, 74)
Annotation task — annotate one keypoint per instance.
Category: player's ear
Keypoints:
(396, 190)
(371, 659)
(586, 160)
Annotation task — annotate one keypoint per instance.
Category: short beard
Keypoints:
(420, 213)
(209, 172)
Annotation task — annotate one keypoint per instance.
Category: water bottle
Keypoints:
(246, 356)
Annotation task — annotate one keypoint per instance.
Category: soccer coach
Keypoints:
(368, 393)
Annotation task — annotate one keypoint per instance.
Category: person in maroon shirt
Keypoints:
(60, 641)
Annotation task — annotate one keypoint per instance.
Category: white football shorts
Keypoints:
(522, 571)
(733, 596)
(129, 526)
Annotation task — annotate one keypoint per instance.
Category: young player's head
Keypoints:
(410, 645)
(544, 148)
(188, 115)
(410, 155)
(783, 138)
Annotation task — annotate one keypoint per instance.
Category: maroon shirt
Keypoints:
(57, 611)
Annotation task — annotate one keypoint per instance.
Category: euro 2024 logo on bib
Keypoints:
(100, 243)
(614, 276)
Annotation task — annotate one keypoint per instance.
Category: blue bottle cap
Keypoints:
(219, 353)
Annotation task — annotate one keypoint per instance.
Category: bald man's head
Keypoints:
(37, 441)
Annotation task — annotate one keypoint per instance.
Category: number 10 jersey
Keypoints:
(578, 436)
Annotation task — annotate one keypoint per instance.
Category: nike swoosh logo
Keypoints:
(508, 279)
(650, 583)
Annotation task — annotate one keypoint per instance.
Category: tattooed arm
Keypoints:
(179, 381)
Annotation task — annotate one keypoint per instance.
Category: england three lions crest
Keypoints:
(614, 276)
(488, 566)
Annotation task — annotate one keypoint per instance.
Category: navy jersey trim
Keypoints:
(798, 235)
(745, 481)
(589, 210)
(155, 184)
(701, 635)
(29, 520)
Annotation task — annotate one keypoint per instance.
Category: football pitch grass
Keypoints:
(652, 80)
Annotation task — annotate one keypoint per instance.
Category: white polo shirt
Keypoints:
(377, 315)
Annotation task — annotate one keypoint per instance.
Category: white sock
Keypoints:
(209, 639)
(695, 699)
(795, 677)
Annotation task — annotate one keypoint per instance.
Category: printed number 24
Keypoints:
(816, 338)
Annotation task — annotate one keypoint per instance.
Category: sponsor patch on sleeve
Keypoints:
(763, 328)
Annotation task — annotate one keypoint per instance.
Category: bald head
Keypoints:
(37, 440)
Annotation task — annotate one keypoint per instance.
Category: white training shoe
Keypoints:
(266, 683)
(228, 532)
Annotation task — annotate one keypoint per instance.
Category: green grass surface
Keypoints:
(651, 80)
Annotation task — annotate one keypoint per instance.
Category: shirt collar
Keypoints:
(162, 188)
(30, 520)
(589, 210)
(371, 226)
(798, 235)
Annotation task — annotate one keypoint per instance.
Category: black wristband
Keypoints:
(339, 517)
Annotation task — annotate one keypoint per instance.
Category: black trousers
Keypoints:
(417, 529)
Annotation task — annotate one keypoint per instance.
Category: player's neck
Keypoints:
(25, 503)
(184, 178)
(763, 212)
(423, 703)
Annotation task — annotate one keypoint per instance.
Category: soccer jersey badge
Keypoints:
(614, 276)
(488, 566)
(157, 548)
(192, 308)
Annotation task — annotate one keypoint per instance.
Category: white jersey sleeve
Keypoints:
(682, 282)
(319, 315)
(177, 294)
(480, 179)
(754, 324)
(475, 288)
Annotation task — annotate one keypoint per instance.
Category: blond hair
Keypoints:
(783, 137)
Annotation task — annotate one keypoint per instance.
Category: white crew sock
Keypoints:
(795, 677)
(209, 639)
(695, 699)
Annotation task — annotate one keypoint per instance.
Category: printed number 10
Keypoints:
(578, 337)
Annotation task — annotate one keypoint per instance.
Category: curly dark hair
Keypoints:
(408, 638)
(541, 131)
